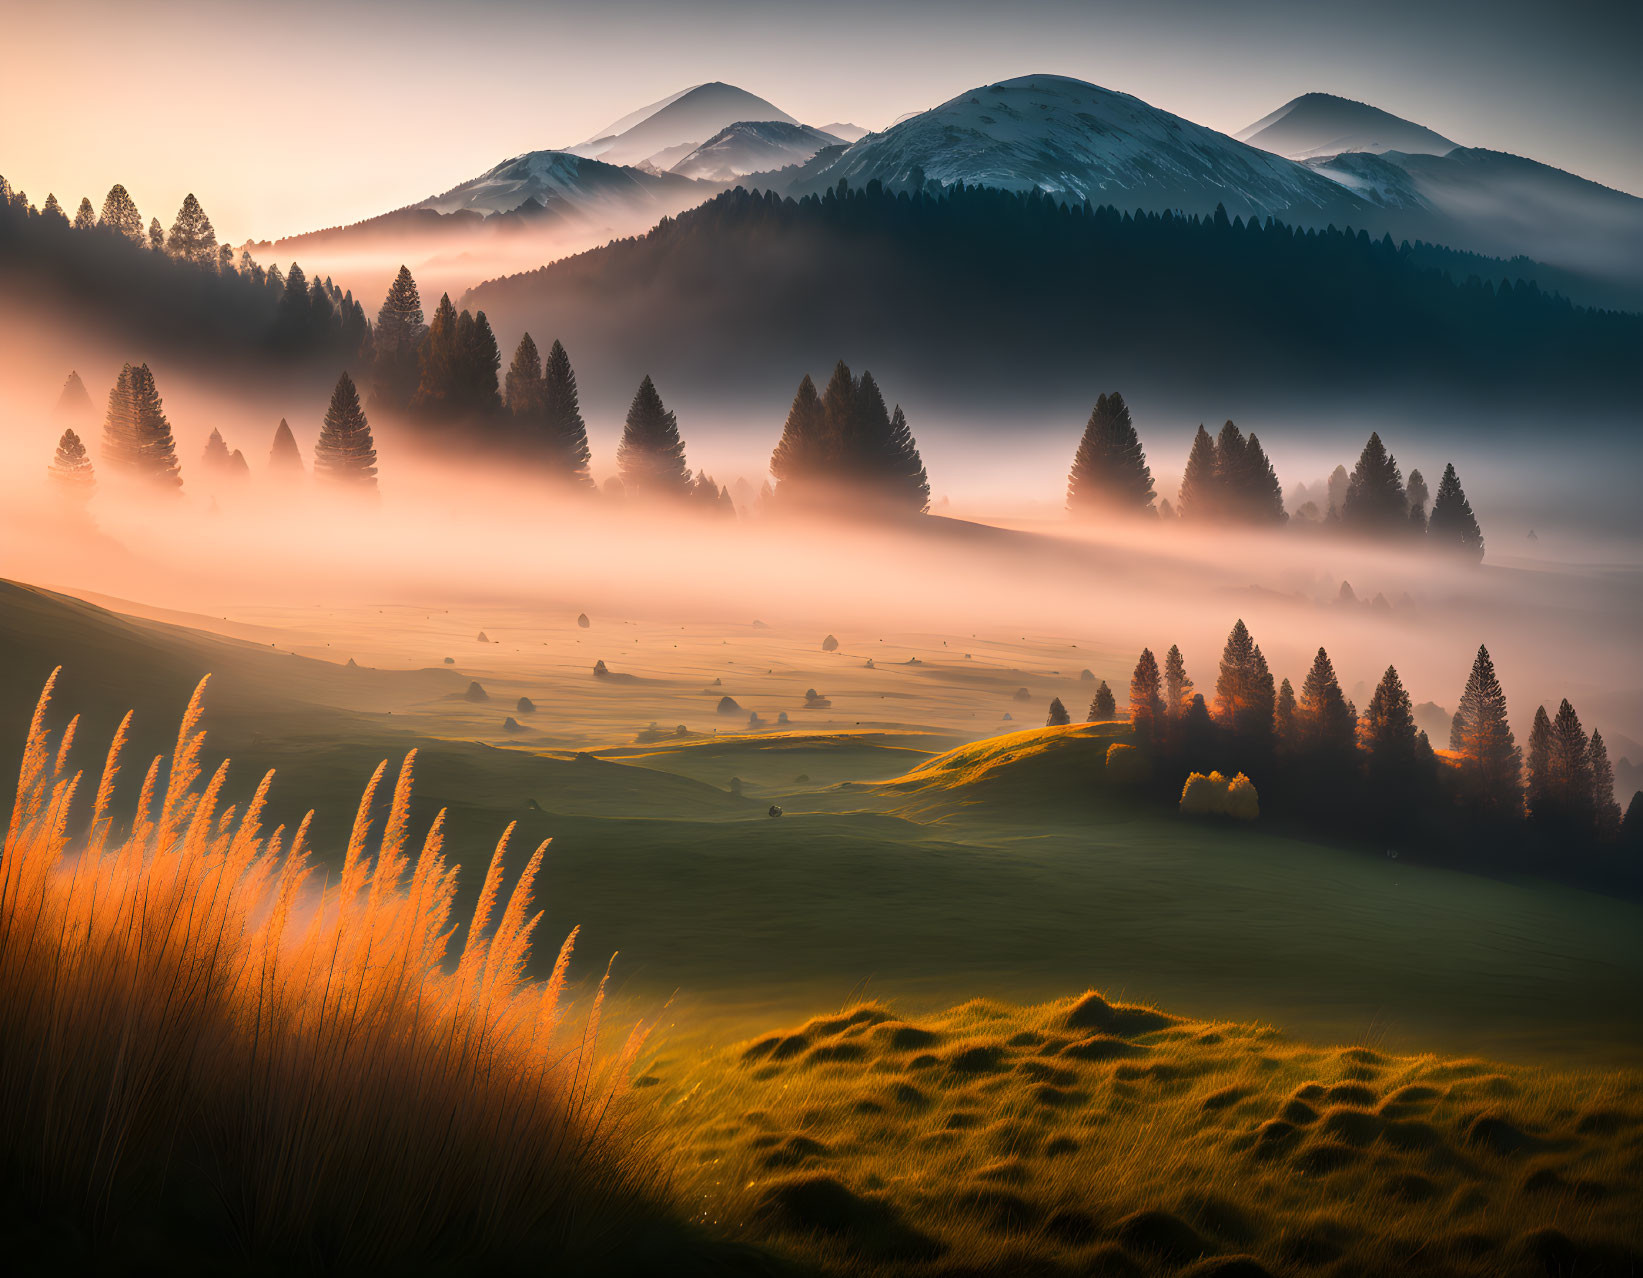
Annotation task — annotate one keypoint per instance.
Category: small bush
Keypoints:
(1217, 795)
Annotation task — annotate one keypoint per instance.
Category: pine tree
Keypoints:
(1146, 697)
(1177, 686)
(157, 451)
(1418, 497)
(395, 344)
(565, 436)
(284, 458)
(192, 237)
(1326, 729)
(1245, 699)
(120, 214)
(1490, 762)
(1339, 482)
(53, 209)
(1375, 498)
(907, 487)
(1262, 496)
(345, 456)
(293, 317)
(156, 235)
(73, 403)
(438, 362)
(1105, 705)
(86, 218)
(522, 390)
(1109, 471)
(1058, 717)
(802, 457)
(651, 456)
(72, 476)
(481, 363)
(1395, 762)
(1283, 716)
(120, 444)
(1200, 493)
(1568, 789)
(1538, 761)
(1452, 526)
(1607, 814)
(216, 459)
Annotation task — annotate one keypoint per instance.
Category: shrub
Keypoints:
(1217, 795)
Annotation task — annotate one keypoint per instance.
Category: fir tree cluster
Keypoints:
(843, 447)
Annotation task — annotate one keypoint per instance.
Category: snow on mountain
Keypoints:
(846, 132)
(558, 179)
(1321, 124)
(692, 117)
(753, 146)
(1065, 136)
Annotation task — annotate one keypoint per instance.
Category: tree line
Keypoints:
(1230, 479)
(1318, 760)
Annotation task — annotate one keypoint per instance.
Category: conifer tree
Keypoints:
(1200, 494)
(565, 436)
(1375, 498)
(438, 363)
(1245, 699)
(522, 391)
(802, 456)
(1418, 497)
(1452, 527)
(902, 470)
(1283, 716)
(293, 317)
(156, 235)
(1109, 471)
(86, 218)
(74, 403)
(1395, 763)
(216, 459)
(192, 237)
(1325, 727)
(1339, 482)
(651, 456)
(120, 445)
(1177, 686)
(120, 214)
(157, 451)
(225, 259)
(1490, 762)
(481, 363)
(1607, 814)
(53, 209)
(284, 458)
(1537, 762)
(1058, 717)
(1568, 789)
(395, 345)
(1105, 705)
(345, 456)
(1146, 697)
(72, 476)
(1262, 496)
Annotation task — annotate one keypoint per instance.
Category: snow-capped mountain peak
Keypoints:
(1320, 124)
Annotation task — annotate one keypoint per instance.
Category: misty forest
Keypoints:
(1042, 684)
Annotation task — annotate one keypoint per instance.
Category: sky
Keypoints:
(293, 116)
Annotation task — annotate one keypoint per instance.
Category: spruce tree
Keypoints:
(192, 237)
(1418, 497)
(72, 476)
(481, 362)
(651, 456)
(395, 345)
(1262, 495)
(293, 317)
(902, 475)
(1452, 527)
(120, 444)
(215, 460)
(1490, 762)
(86, 218)
(803, 455)
(156, 236)
(345, 456)
(565, 436)
(1325, 727)
(1200, 494)
(1537, 762)
(522, 390)
(53, 209)
(1607, 809)
(120, 214)
(284, 458)
(1245, 698)
(1177, 686)
(1058, 716)
(1568, 788)
(1395, 762)
(1283, 716)
(1146, 697)
(157, 451)
(74, 403)
(1375, 498)
(438, 362)
(1109, 470)
(1104, 706)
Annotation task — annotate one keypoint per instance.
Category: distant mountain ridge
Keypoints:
(685, 119)
(1319, 124)
(753, 145)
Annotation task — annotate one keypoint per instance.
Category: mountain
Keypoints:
(847, 132)
(752, 146)
(692, 116)
(559, 178)
(967, 300)
(1318, 124)
(1055, 134)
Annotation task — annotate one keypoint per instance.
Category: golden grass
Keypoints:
(1085, 1136)
(189, 1015)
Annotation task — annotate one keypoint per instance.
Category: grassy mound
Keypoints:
(1088, 1136)
(1045, 767)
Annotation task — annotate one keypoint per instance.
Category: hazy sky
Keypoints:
(291, 116)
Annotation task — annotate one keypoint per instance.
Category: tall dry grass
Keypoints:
(196, 1025)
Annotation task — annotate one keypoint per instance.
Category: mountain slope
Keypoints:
(559, 178)
(751, 146)
(692, 116)
(1317, 124)
(1055, 134)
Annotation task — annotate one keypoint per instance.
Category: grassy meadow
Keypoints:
(868, 1051)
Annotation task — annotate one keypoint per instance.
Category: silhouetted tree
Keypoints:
(72, 476)
(1396, 766)
(1567, 792)
(1452, 526)
(1146, 697)
(1418, 497)
(1177, 686)
(1058, 717)
(137, 438)
(522, 390)
(120, 214)
(438, 362)
(345, 456)
(1537, 765)
(846, 446)
(1199, 498)
(1109, 471)
(74, 406)
(395, 344)
(802, 458)
(86, 217)
(156, 236)
(1606, 819)
(1490, 762)
(192, 237)
(1375, 499)
(565, 436)
(216, 459)
(284, 458)
(651, 456)
(1245, 699)
(1104, 705)
(1325, 727)
(1339, 483)
(52, 209)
